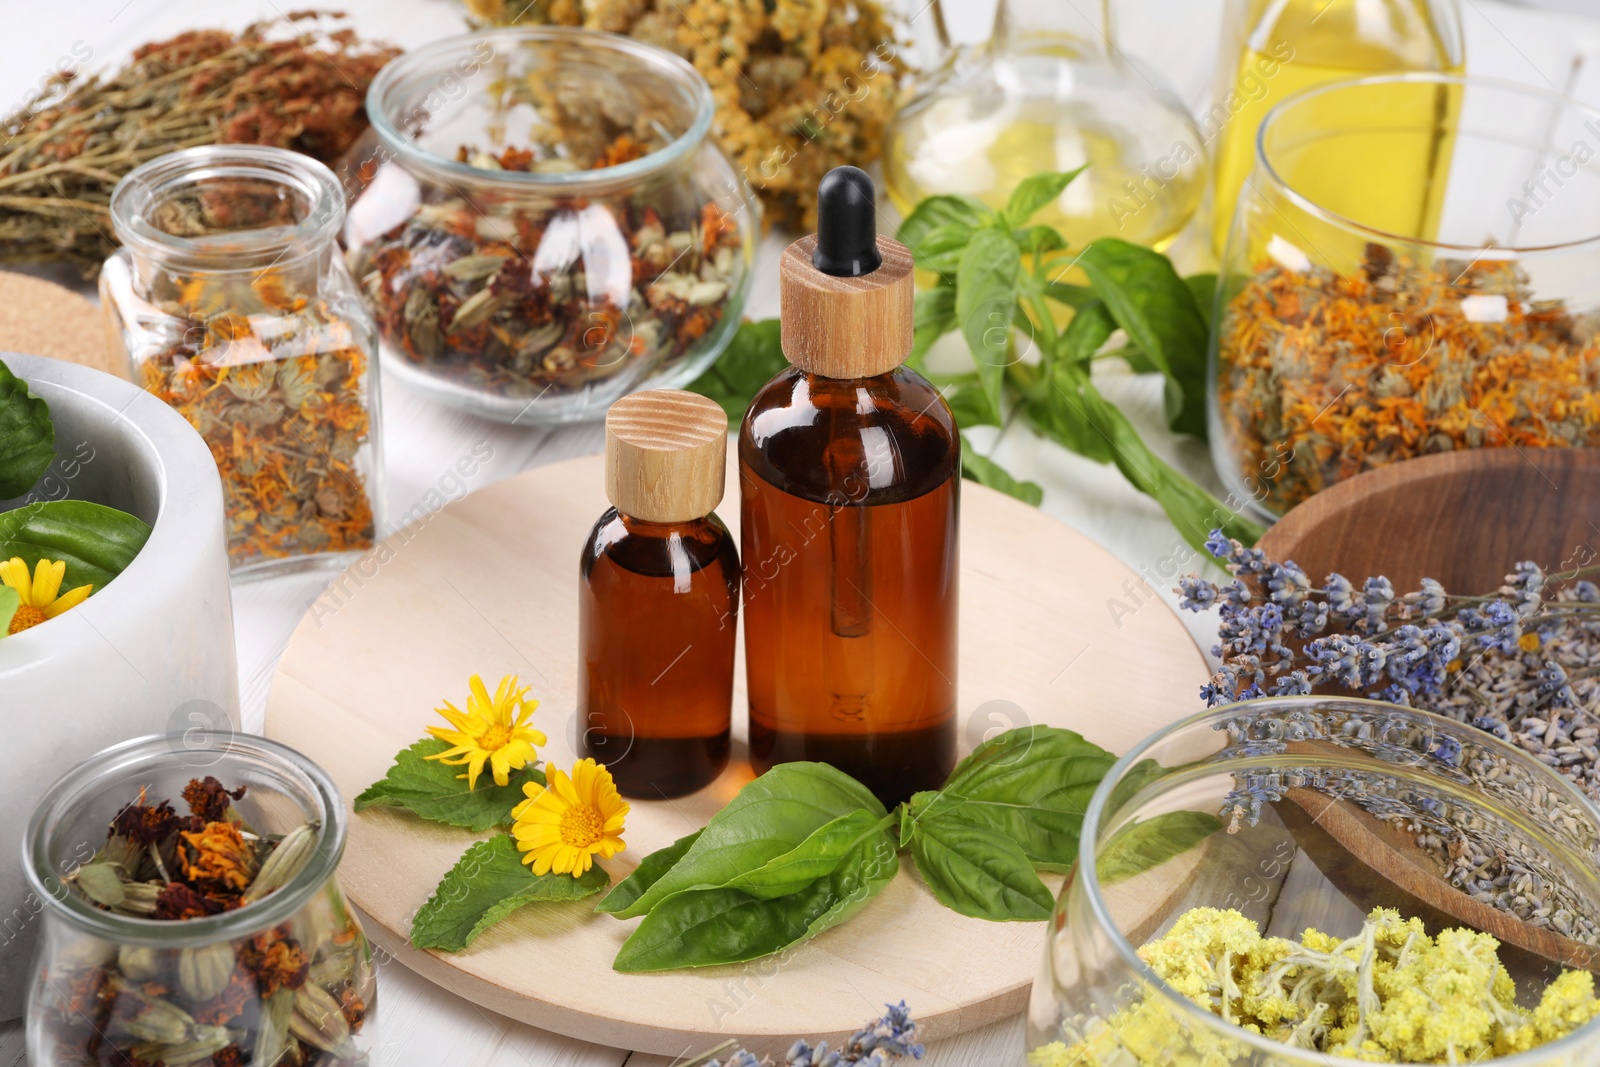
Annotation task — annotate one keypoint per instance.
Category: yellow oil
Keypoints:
(962, 143)
(1286, 46)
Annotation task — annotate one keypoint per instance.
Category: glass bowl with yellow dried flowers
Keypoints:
(191, 912)
(1371, 882)
(1413, 268)
(549, 224)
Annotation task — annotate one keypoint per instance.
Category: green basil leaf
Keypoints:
(1192, 510)
(705, 927)
(489, 882)
(986, 303)
(1147, 298)
(10, 601)
(769, 817)
(1035, 192)
(647, 874)
(985, 471)
(1203, 287)
(752, 359)
(1073, 296)
(1146, 845)
(941, 247)
(1030, 785)
(27, 436)
(1088, 331)
(96, 542)
(941, 211)
(1040, 240)
(933, 315)
(816, 857)
(970, 406)
(431, 789)
(974, 871)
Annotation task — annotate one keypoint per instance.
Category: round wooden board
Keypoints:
(488, 585)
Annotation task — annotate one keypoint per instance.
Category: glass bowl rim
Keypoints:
(269, 911)
(1466, 81)
(1127, 952)
(424, 62)
(189, 165)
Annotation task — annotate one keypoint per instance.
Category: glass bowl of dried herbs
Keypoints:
(1304, 880)
(1413, 268)
(191, 914)
(550, 225)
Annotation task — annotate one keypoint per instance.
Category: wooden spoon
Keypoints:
(1464, 518)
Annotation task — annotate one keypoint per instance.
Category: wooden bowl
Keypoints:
(1463, 518)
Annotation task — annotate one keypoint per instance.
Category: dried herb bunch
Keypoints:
(518, 295)
(292, 994)
(275, 379)
(1401, 359)
(296, 83)
(801, 86)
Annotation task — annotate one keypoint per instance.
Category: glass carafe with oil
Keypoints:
(1051, 91)
(1273, 49)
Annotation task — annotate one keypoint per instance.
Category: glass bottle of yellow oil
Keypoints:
(1273, 49)
(1050, 91)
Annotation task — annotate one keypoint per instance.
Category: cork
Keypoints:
(41, 318)
(847, 327)
(666, 455)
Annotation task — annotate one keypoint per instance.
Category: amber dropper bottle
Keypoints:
(658, 600)
(850, 475)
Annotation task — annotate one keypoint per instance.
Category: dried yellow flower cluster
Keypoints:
(1390, 994)
(800, 88)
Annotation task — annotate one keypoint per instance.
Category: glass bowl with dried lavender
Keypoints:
(191, 913)
(1311, 925)
(550, 226)
(1414, 268)
(233, 305)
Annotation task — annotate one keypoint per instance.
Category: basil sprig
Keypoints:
(998, 285)
(804, 847)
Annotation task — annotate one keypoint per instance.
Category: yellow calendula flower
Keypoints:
(493, 730)
(563, 827)
(38, 593)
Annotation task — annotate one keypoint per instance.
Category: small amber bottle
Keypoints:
(658, 600)
(850, 475)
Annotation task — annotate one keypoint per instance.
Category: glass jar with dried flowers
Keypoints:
(1365, 317)
(186, 886)
(549, 225)
(233, 304)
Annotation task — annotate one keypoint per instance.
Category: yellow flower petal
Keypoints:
(72, 599)
(14, 573)
(47, 581)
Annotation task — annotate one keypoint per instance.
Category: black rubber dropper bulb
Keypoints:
(847, 224)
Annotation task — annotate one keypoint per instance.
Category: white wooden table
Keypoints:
(426, 1026)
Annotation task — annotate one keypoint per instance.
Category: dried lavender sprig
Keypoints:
(886, 1040)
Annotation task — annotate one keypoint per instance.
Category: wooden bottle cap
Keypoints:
(847, 327)
(666, 455)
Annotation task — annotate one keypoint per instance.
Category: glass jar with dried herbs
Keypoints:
(549, 226)
(233, 304)
(191, 913)
(1413, 267)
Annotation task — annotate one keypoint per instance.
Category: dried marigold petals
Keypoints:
(1343, 373)
(209, 798)
(218, 859)
(276, 960)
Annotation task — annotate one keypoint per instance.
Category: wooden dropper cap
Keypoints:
(666, 455)
(847, 290)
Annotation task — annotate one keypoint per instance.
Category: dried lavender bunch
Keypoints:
(1522, 663)
(881, 1042)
